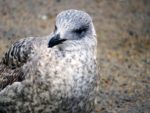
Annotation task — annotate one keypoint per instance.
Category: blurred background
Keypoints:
(123, 33)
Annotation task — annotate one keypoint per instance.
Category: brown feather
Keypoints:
(16, 56)
(8, 75)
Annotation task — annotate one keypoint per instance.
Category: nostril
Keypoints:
(55, 29)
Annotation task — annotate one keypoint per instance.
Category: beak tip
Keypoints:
(55, 41)
(50, 46)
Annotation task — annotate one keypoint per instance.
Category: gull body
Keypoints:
(52, 74)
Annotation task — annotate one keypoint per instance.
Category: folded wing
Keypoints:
(14, 58)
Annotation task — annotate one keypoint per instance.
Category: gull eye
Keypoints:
(80, 30)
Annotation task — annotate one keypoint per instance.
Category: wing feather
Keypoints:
(13, 59)
(17, 55)
(8, 76)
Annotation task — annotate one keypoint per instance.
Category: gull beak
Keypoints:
(55, 40)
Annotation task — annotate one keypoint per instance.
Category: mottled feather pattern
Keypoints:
(67, 92)
(18, 53)
(58, 72)
(8, 76)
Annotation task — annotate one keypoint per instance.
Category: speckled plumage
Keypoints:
(59, 79)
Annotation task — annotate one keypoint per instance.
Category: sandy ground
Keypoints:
(123, 31)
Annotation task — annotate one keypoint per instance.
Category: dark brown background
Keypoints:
(123, 32)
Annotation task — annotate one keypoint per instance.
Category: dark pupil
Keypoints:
(78, 31)
(81, 30)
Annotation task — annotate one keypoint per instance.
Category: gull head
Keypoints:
(74, 29)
